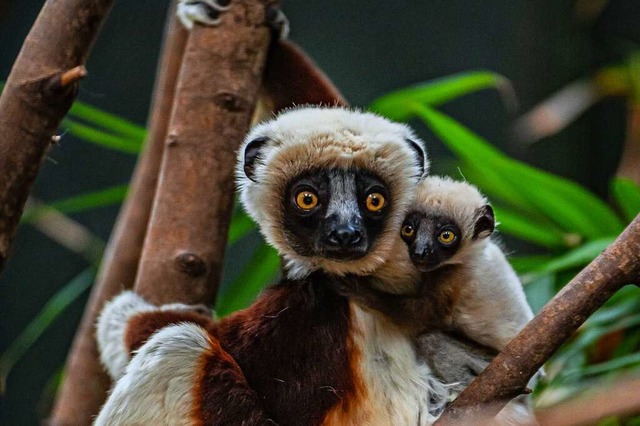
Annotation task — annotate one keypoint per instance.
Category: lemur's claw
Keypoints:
(206, 12)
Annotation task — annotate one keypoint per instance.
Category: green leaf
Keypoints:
(79, 203)
(575, 258)
(526, 229)
(51, 310)
(103, 139)
(259, 272)
(241, 225)
(627, 361)
(397, 105)
(627, 196)
(566, 203)
(540, 291)
(527, 263)
(110, 122)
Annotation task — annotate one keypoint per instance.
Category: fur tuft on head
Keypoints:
(459, 201)
(307, 138)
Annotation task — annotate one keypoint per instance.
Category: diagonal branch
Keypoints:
(507, 376)
(39, 92)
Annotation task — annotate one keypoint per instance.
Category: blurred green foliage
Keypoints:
(569, 224)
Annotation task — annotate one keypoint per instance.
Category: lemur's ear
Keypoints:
(485, 222)
(420, 154)
(251, 153)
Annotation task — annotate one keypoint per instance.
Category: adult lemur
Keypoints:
(329, 189)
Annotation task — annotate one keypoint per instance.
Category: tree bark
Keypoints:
(39, 91)
(217, 92)
(86, 383)
(507, 376)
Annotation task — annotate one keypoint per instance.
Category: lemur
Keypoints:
(329, 188)
(467, 284)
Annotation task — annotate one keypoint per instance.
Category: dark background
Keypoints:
(367, 48)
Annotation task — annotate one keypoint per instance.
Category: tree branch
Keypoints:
(217, 91)
(39, 92)
(507, 376)
(86, 383)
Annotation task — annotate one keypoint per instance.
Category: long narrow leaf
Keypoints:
(627, 196)
(79, 203)
(262, 268)
(397, 105)
(529, 262)
(568, 204)
(520, 227)
(577, 257)
(51, 310)
(111, 122)
(241, 225)
(103, 139)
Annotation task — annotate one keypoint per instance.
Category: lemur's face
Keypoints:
(335, 213)
(432, 239)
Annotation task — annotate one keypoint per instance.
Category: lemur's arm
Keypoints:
(170, 368)
(416, 312)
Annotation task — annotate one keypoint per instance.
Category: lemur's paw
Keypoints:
(278, 22)
(111, 327)
(205, 12)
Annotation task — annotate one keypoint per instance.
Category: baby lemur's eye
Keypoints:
(407, 231)
(306, 200)
(375, 201)
(446, 236)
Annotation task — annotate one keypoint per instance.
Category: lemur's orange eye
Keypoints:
(306, 200)
(375, 202)
(447, 237)
(407, 231)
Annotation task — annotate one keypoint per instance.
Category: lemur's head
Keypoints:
(330, 187)
(447, 220)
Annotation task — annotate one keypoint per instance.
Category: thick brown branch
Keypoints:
(508, 374)
(216, 94)
(86, 383)
(30, 111)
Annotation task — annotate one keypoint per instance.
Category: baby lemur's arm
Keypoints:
(430, 308)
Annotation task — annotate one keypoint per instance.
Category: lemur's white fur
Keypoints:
(157, 386)
(308, 138)
(402, 390)
(111, 329)
(492, 307)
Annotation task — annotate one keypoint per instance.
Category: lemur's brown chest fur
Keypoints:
(310, 369)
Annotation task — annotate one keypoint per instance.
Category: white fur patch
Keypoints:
(111, 327)
(401, 390)
(157, 386)
(191, 12)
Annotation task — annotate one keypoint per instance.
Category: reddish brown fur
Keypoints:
(292, 346)
(141, 326)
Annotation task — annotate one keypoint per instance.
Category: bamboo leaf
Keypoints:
(259, 272)
(397, 105)
(108, 121)
(627, 196)
(79, 203)
(575, 258)
(103, 139)
(566, 203)
(241, 225)
(51, 310)
(526, 229)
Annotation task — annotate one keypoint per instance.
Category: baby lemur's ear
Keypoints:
(251, 153)
(485, 222)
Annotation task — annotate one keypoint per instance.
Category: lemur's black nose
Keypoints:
(345, 236)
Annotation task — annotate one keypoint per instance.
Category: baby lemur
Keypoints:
(467, 285)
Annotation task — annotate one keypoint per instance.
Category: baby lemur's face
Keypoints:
(335, 213)
(431, 239)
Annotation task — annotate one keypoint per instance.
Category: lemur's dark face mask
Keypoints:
(335, 213)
